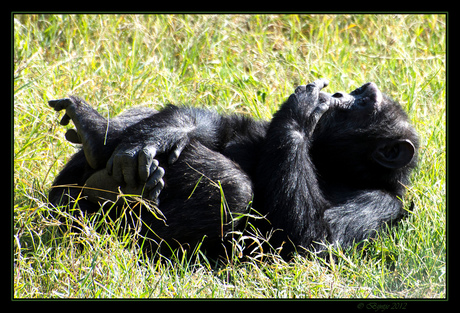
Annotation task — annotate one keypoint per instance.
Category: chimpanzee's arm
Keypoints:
(170, 130)
(286, 174)
(361, 215)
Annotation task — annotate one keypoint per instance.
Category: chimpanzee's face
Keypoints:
(366, 97)
(363, 129)
(365, 110)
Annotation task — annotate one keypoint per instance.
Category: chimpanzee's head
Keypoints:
(364, 140)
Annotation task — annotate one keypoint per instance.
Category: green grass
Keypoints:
(235, 63)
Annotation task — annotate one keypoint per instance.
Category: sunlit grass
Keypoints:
(233, 63)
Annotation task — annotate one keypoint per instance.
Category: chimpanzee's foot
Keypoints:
(71, 134)
(101, 186)
(90, 131)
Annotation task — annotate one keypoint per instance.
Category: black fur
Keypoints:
(324, 169)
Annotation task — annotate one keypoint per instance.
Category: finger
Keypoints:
(52, 103)
(145, 161)
(65, 120)
(315, 116)
(176, 152)
(326, 97)
(155, 178)
(153, 167)
(155, 193)
(310, 97)
(129, 168)
(316, 86)
(124, 166)
(72, 136)
(155, 184)
(59, 104)
(321, 83)
(319, 110)
(300, 89)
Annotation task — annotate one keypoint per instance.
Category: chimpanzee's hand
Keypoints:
(316, 86)
(308, 98)
(134, 161)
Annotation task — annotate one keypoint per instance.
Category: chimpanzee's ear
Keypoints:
(394, 154)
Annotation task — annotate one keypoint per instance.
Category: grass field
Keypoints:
(234, 63)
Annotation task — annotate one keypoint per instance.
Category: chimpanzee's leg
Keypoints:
(204, 194)
(68, 185)
(98, 135)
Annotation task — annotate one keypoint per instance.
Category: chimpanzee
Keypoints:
(328, 168)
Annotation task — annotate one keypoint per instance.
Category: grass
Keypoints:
(233, 63)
